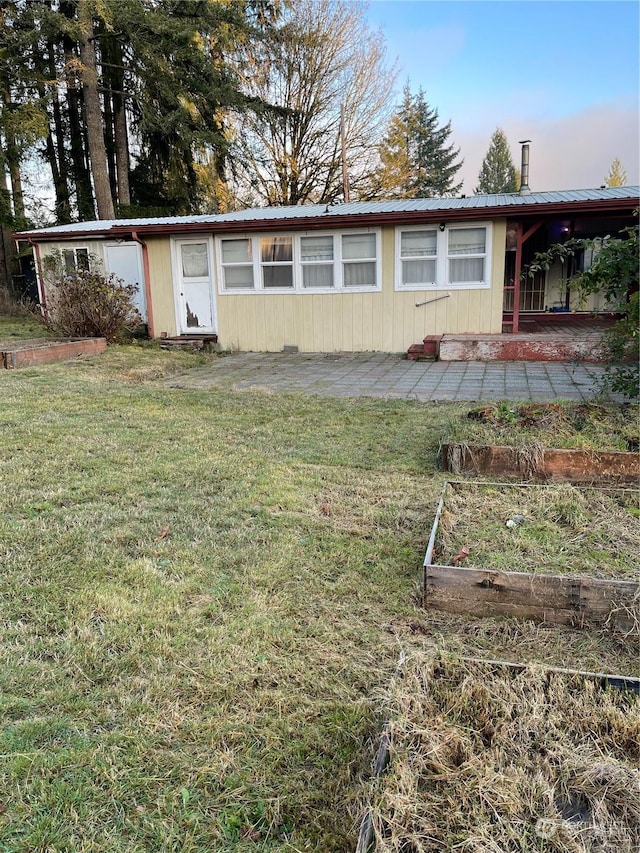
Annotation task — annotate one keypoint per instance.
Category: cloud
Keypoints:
(574, 151)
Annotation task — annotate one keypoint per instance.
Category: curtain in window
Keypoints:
(277, 276)
(317, 275)
(467, 241)
(276, 249)
(466, 269)
(419, 272)
(236, 251)
(357, 246)
(195, 261)
(238, 278)
(360, 274)
(316, 248)
(418, 244)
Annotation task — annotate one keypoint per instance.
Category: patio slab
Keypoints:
(383, 375)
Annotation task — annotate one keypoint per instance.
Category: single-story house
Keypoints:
(349, 277)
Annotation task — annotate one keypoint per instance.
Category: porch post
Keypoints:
(516, 280)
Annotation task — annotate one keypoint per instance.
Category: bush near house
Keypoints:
(90, 304)
(86, 302)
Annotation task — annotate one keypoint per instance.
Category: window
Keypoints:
(443, 258)
(466, 255)
(418, 252)
(276, 259)
(359, 260)
(317, 262)
(76, 260)
(237, 264)
(316, 259)
(195, 260)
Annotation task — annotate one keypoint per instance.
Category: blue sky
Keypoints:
(563, 73)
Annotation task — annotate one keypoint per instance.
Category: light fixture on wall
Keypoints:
(442, 226)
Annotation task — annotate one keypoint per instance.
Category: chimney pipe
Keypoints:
(524, 169)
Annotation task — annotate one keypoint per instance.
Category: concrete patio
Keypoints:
(392, 376)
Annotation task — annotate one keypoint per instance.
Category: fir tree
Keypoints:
(617, 176)
(416, 158)
(498, 174)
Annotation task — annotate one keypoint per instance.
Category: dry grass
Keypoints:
(487, 758)
(586, 426)
(201, 593)
(566, 529)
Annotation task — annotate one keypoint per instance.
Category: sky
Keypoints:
(563, 73)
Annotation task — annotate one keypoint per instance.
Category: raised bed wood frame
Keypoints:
(573, 600)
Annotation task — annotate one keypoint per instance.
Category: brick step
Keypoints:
(429, 349)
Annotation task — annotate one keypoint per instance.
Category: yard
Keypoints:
(203, 596)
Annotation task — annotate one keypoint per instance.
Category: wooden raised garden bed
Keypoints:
(543, 464)
(44, 353)
(547, 442)
(555, 554)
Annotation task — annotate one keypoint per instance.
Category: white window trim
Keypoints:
(338, 278)
(442, 258)
(75, 250)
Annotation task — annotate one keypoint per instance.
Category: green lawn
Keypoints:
(203, 596)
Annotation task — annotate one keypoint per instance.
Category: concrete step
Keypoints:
(587, 348)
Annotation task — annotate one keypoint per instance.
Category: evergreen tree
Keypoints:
(498, 174)
(617, 176)
(416, 159)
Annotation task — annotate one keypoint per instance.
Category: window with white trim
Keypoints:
(236, 264)
(418, 255)
(457, 257)
(308, 262)
(76, 260)
(466, 255)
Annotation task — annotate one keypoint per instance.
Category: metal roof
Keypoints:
(505, 203)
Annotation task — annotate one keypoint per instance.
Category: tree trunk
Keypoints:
(121, 136)
(77, 149)
(60, 186)
(95, 134)
(12, 158)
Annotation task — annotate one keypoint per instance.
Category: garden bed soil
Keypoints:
(488, 756)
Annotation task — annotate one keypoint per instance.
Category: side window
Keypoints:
(316, 259)
(237, 264)
(418, 255)
(76, 260)
(276, 261)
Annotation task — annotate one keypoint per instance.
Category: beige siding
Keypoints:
(556, 289)
(161, 286)
(352, 322)
(94, 247)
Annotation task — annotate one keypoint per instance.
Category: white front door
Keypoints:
(124, 260)
(196, 302)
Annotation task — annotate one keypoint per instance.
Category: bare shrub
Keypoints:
(89, 303)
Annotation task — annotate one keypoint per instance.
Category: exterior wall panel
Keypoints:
(387, 320)
(161, 285)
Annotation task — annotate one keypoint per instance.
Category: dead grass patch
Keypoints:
(586, 426)
(555, 529)
(488, 758)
